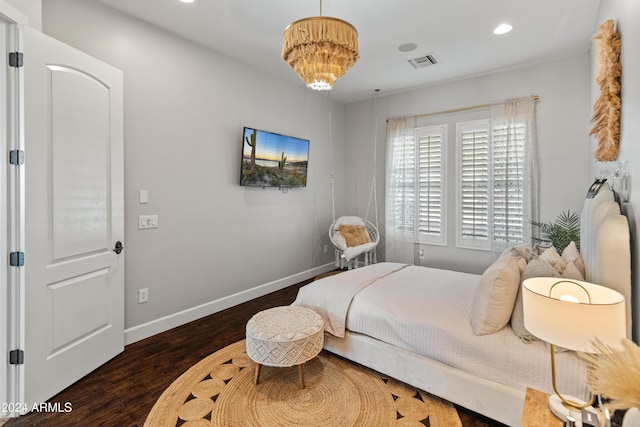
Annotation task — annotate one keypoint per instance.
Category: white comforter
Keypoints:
(427, 311)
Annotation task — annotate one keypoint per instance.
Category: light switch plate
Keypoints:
(147, 221)
(144, 196)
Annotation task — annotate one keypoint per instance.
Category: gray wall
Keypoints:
(626, 13)
(563, 142)
(217, 243)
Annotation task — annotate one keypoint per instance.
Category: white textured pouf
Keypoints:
(284, 336)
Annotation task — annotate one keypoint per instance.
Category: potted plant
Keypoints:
(564, 230)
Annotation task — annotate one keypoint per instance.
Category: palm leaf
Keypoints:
(564, 230)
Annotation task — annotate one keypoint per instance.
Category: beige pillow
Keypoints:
(535, 268)
(552, 256)
(354, 235)
(523, 251)
(572, 272)
(521, 254)
(571, 253)
(495, 296)
(522, 264)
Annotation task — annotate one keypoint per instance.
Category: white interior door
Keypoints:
(74, 298)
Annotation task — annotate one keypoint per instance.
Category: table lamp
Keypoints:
(572, 314)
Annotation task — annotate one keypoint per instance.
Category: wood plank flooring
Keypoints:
(123, 391)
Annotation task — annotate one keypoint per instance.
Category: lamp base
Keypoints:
(561, 411)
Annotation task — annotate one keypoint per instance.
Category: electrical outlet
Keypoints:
(143, 295)
(326, 249)
(421, 253)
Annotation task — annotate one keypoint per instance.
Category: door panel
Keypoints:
(78, 309)
(74, 297)
(79, 137)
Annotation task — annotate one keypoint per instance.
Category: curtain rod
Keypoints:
(457, 110)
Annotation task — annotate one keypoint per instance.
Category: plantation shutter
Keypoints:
(474, 184)
(508, 183)
(430, 185)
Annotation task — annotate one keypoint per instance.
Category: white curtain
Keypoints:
(400, 190)
(516, 119)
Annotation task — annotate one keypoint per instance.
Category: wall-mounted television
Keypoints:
(273, 160)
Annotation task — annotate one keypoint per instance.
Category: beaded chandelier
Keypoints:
(320, 49)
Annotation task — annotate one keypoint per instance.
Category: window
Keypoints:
(491, 184)
(415, 198)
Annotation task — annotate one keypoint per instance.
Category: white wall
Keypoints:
(563, 127)
(185, 107)
(626, 13)
(31, 8)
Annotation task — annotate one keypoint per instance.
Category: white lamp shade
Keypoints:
(573, 314)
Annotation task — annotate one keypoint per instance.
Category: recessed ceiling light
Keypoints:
(407, 47)
(187, 1)
(502, 29)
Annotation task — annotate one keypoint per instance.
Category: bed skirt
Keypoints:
(489, 398)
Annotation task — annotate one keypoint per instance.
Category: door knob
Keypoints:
(118, 247)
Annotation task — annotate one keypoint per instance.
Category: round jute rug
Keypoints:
(219, 391)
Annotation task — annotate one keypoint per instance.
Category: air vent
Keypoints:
(423, 61)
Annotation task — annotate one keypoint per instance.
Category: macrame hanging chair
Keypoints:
(354, 238)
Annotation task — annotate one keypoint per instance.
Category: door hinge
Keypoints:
(16, 157)
(16, 59)
(16, 259)
(16, 357)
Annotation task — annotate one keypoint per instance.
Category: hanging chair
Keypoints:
(355, 240)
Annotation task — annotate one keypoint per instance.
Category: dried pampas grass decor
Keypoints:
(606, 110)
(616, 374)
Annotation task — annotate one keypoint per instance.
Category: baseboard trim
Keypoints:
(146, 330)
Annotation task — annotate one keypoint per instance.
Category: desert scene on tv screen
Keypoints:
(273, 160)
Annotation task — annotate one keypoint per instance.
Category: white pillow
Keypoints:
(571, 253)
(552, 256)
(495, 296)
(535, 268)
(348, 220)
(339, 241)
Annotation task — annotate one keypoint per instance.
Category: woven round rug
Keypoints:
(219, 391)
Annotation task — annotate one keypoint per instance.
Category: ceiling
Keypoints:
(457, 32)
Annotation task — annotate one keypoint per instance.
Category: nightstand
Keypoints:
(536, 411)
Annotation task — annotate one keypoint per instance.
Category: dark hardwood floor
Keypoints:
(123, 391)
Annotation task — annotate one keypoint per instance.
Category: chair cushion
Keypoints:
(354, 235)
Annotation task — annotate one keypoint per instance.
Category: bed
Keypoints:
(420, 325)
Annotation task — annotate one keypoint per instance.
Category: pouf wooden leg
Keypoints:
(301, 372)
(256, 378)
